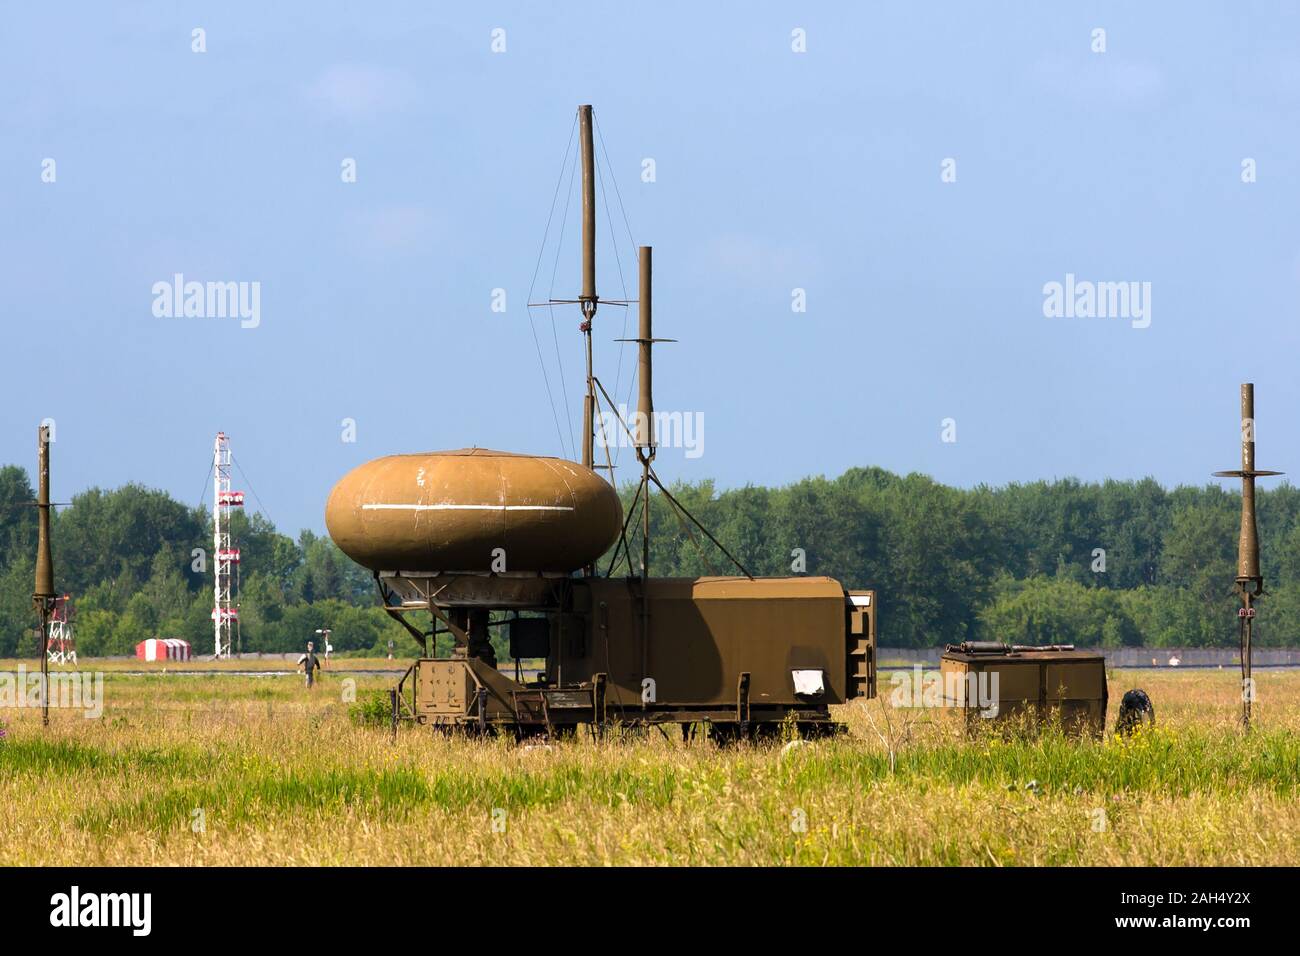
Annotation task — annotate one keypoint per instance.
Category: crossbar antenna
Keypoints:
(1250, 580)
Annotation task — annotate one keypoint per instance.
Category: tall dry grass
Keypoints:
(241, 770)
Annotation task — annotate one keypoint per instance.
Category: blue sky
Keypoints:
(775, 170)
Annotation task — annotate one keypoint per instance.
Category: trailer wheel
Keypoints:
(809, 730)
(765, 733)
(724, 735)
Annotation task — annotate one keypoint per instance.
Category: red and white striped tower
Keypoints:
(61, 644)
(224, 612)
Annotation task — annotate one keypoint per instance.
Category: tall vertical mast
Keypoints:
(588, 299)
(220, 586)
(1248, 573)
(645, 338)
(44, 557)
(645, 437)
(43, 596)
(1250, 580)
(224, 611)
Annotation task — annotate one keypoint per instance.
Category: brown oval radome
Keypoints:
(451, 510)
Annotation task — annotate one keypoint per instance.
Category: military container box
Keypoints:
(990, 681)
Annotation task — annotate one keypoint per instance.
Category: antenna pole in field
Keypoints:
(1250, 580)
(588, 299)
(225, 613)
(43, 594)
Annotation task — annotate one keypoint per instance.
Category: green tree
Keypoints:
(1198, 561)
(17, 616)
(105, 534)
(17, 516)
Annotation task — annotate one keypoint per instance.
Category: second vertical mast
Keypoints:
(43, 595)
(588, 299)
(1250, 580)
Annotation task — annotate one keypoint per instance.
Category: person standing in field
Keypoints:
(310, 663)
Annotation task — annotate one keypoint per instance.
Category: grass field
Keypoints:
(257, 770)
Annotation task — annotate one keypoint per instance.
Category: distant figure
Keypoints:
(310, 663)
(1135, 709)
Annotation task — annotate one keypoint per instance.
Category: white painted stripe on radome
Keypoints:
(386, 507)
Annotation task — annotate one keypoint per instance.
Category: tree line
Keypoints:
(1094, 564)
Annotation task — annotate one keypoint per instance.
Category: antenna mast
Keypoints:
(43, 594)
(645, 436)
(588, 299)
(645, 433)
(224, 611)
(1250, 581)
